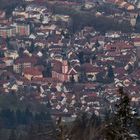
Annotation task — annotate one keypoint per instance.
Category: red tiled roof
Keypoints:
(32, 60)
(137, 39)
(32, 71)
(120, 71)
(87, 67)
(92, 95)
(118, 45)
(57, 66)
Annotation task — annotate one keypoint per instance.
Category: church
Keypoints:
(62, 71)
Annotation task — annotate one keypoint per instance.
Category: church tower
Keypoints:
(64, 66)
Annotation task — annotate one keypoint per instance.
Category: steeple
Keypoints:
(64, 61)
(64, 66)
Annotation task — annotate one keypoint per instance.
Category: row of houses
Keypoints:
(122, 4)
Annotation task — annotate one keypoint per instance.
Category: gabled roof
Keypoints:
(72, 71)
(32, 71)
(26, 59)
(89, 68)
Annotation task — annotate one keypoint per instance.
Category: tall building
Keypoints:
(22, 29)
(7, 31)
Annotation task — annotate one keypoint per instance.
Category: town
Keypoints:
(42, 59)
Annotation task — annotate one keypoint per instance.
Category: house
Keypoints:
(63, 72)
(7, 31)
(118, 46)
(11, 53)
(119, 72)
(21, 63)
(20, 13)
(2, 64)
(91, 71)
(14, 29)
(89, 5)
(32, 72)
(34, 14)
(64, 18)
(22, 29)
(112, 34)
(129, 6)
(2, 14)
(8, 61)
(136, 41)
(111, 1)
(122, 4)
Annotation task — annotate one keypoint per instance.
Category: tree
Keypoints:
(100, 77)
(28, 116)
(19, 116)
(41, 18)
(12, 135)
(72, 80)
(32, 47)
(110, 73)
(130, 69)
(21, 52)
(118, 126)
(32, 132)
(8, 117)
(8, 42)
(85, 127)
(1, 54)
(82, 76)
(48, 70)
(97, 44)
(123, 113)
(81, 57)
(42, 131)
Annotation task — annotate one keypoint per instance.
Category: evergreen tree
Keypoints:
(21, 52)
(48, 72)
(118, 126)
(85, 127)
(32, 133)
(28, 116)
(41, 18)
(32, 47)
(110, 73)
(81, 57)
(19, 116)
(123, 112)
(8, 42)
(97, 44)
(83, 76)
(62, 33)
(1, 54)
